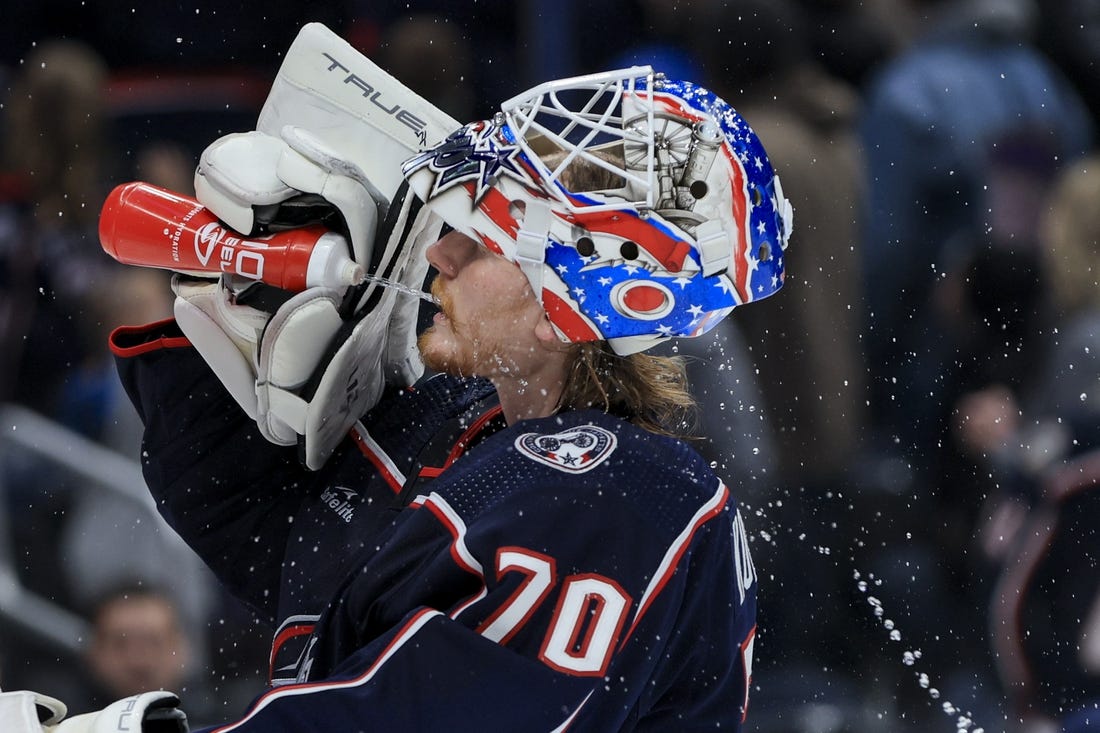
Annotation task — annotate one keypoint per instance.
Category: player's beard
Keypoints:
(460, 348)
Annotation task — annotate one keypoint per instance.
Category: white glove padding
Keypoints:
(237, 172)
(244, 178)
(149, 712)
(320, 364)
(322, 367)
(296, 340)
(227, 335)
(27, 712)
(321, 404)
(260, 359)
(304, 374)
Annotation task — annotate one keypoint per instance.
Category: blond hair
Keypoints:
(650, 391)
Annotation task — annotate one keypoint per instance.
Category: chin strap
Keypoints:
(531, 243)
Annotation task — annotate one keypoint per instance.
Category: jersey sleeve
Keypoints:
(571, 606)
(428, 673)
(226, 490)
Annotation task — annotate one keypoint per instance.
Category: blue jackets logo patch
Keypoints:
(574, 451)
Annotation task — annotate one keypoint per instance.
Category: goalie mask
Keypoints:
(638, 207)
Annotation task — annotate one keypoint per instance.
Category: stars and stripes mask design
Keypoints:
(639, 208)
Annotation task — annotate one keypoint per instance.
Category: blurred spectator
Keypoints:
(430, 56)
(50, 259)
(805, 345)
(1028, 407)
(852, 38)
(1071, 256)
(1070, 34)
(137, 643)
(804, 348)
(667, 38)
(50, 265)
(1016, 431)
(932, 118)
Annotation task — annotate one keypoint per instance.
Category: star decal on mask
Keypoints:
(477, 152)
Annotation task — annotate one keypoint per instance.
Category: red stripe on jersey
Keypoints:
(283, 637)
(450, 520)
(712, 508)
(406, 632)
(746, 668)
(467, 437)
(378, 461)
(124, 341)
(463, 442)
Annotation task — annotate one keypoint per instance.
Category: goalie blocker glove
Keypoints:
(149, 712)
(308, 368)
(321, 151)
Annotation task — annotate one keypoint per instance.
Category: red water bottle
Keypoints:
(143, 224)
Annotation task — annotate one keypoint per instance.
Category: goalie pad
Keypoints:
(352, 354)
(332, 135)
(308, 372)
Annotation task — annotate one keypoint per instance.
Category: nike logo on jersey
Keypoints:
(574, 451)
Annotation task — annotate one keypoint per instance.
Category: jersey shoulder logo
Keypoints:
(575, 450)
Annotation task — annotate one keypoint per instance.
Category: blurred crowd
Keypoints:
(913, 423)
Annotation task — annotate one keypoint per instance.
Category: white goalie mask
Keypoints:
(694, 224)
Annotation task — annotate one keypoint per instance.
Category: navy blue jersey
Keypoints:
(445, 571)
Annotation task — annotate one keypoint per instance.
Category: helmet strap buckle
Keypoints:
(531, 243)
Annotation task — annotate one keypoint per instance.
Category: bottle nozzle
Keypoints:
(351, 273)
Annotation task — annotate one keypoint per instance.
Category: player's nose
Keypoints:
(451, 252)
